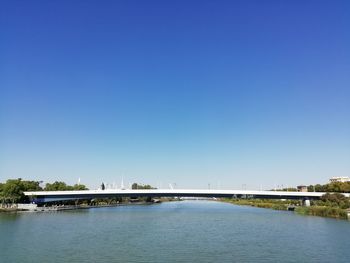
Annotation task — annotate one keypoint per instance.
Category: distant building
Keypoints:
(341, 179)
(302, 188)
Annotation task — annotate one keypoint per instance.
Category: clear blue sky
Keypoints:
(191, 92)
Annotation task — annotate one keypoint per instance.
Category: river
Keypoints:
(188, 231)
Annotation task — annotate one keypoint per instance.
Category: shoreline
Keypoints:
(320, 211)
(281, 205)
(57, 208)
(69, 207)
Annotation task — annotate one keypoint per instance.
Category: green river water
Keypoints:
(188, 231)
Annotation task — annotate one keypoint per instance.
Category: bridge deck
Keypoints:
(46, 196)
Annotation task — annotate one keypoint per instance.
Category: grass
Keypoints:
(275, 204)
(324, 211)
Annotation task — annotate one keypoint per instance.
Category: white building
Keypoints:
(342, 179)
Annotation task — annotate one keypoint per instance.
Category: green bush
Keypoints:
(324, 211)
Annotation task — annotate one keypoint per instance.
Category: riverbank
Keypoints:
(261, 203)
(6, 210)
(322, 211)
(54, 208)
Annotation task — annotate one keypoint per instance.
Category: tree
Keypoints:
(336, 200)
(79, 187)
(57, 186)
(334, 187)
(31, 186)
(319, 188)
(1, 193)
(311, 188)
(62, 186)
(345, 188)
(141, 186)
(13, 190)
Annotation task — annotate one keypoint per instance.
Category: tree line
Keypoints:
(12, 191)
(334, 187)
(136, 186)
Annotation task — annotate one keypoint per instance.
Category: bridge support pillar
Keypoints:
(306, 202)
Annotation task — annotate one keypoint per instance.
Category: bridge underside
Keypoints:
(55, 198)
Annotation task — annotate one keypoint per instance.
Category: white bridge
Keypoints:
(49, 196)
